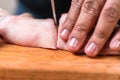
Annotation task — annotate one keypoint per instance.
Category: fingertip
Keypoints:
(72, 49)
(73, 45)
(115, 45)
(115, 42)
(64, 34)
(91, 50)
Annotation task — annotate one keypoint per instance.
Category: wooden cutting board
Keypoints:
(26, 63)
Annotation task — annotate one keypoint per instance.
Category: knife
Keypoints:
(54, 11)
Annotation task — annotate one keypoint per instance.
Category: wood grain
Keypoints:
(26, 63)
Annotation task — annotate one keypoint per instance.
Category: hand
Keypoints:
(112, 47)
(82, 16)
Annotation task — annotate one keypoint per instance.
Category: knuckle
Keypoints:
(77, 3)
(110, 14)
(100, 35)
(69, 23)
(91, 7)
(82, 29)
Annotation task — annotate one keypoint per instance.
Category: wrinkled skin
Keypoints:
(61, 44)
(24, 30)
(86, 15)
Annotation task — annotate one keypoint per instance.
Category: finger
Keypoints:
(62, 19)
(62, 45)
(87, 18)
(71, 18)
(106, 23)
(115, 42)
(108, 51)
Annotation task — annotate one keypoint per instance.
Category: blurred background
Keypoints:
(9, 5)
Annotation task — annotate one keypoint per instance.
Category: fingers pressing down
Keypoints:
(71, 18)
(107, 21)
(61, 44)
(87, 17)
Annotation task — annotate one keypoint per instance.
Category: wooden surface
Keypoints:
(25, 63)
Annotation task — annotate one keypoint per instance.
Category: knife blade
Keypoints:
(54, 11)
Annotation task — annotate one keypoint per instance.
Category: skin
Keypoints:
(19, 30)
(83, 16)
(24, 30)
(108, 48)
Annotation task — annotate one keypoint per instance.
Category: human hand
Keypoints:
(82, 16)
(112, 47)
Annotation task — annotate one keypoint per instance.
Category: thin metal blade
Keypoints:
(54, 11)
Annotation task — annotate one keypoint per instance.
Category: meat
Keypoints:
(3, 13)
(27, 31)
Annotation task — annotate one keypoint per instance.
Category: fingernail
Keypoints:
(91, 49)
(65, 33)
(116, 44)
(73, 43)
